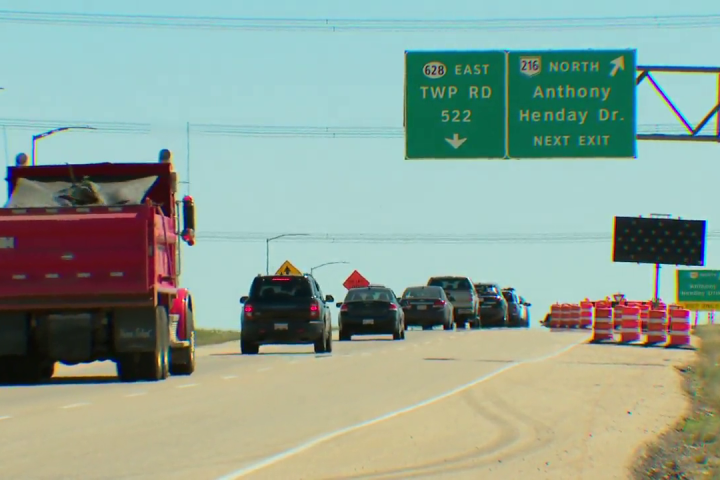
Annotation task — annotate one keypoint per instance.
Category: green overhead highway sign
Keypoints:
(454, 105)
(698, 289)
(571, 104)
(530, 104)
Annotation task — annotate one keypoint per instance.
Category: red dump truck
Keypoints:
(90, 270)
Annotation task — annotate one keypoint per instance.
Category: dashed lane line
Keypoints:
(75, 405)
(187, 385)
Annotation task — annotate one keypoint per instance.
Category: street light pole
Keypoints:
(325, 265)
(267, 247)
(39, 136)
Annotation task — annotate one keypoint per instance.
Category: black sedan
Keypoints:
(371, 310)
(427, 307)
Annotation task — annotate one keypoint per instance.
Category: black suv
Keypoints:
(285, 310)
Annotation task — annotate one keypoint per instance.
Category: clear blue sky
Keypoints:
(167, 77)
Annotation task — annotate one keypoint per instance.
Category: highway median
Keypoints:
(691, 449)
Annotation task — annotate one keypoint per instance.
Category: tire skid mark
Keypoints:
(510, 424)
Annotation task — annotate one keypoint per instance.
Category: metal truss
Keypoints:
(693, 133)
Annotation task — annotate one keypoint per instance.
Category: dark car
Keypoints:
(371, 311)
(285, 310)
(494, 307)
(516, 308)
(427, 307)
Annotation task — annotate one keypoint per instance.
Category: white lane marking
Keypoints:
(348, 354)
(229, 377)
(264, 369)
(5, 417)
(135, 394)
(187, 385)
(292, 362)
(76, 405)
(279, 457)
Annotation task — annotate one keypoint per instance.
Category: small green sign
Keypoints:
(455, 104)
(698, 289)
(572, 104)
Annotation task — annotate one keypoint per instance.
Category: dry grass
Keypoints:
(211, 337)
(205, 336)
(691, 450)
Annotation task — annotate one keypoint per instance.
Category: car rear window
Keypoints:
(487, 290)
(451, 283)
(369, 295)
(423, 292)
(280, 288)
(509, 297)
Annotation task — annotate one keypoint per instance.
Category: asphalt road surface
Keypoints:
(495, 404)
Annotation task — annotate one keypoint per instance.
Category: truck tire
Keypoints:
(185, 356)
(320, 345)
(25, 370)
(249, 348)
(328, 345)
(149, 366)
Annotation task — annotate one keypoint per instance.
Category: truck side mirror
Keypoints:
(243, 299)
(188, 208)
(338, 304)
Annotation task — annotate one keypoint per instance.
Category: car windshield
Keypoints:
(369, 295)
(423, 292)
(451, 283)
(280, 288)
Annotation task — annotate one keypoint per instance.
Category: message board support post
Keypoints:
(656, 296)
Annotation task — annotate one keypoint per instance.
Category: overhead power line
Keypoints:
(353, 132)
(357, 24)
(99, 126)
(408, 238)
(257, 131)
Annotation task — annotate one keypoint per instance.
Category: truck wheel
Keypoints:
(321, 343)
(329, 342)
(460, 324)
(399, 333)
(186, 355)
(150, 366)
(249, 348)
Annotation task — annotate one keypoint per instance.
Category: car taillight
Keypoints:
(439, 303)
(344, 307)
(248, 309)
(314, 309)
(393, 306)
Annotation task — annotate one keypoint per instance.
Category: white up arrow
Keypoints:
(456, 141)
(617, 64)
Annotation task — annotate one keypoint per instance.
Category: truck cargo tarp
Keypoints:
(43, 194)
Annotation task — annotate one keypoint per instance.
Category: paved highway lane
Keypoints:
(237, 411)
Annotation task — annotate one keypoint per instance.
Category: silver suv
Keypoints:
(466, 306)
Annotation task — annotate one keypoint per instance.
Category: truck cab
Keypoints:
(90, 264)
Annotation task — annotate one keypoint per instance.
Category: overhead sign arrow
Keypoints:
(456, 142)
(617, 64)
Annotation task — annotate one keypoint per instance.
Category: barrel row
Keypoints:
(632, 322)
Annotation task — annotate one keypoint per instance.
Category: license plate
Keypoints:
(368, 321)
(465, 310)
(281, 326)
(422, 307)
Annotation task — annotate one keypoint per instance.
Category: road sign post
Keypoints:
(454, 105)
(572, 104)
(698, 290)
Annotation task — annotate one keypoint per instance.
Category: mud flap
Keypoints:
(69, 337)
(134, 330)
(14, 333)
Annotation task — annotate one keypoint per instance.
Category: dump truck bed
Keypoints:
(66, 253)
